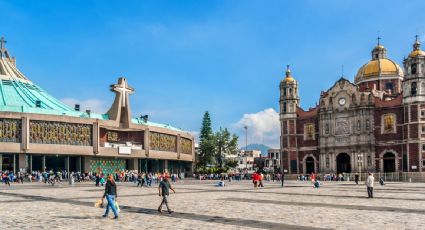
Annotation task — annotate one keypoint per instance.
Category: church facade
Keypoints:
(39, 132)
(374, 124)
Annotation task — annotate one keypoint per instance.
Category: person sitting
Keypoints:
(316, 184)
(221, 183)
(381, 181)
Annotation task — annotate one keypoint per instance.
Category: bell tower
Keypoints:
(414, 108)
(289, 101)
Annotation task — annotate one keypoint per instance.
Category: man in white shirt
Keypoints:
(369, 184)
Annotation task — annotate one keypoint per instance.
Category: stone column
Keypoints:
(14, 163)
(166, 165)
(178, 146)
(146, 142)
(25, 133)
(30, 164)
(22, 161)
(1, 162)
(67, 164)
(43, 163)
(95, 137)
(79, 164)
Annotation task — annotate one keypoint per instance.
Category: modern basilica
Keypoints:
(39, 132)
(376, 123)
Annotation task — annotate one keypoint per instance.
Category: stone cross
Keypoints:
(124, 89)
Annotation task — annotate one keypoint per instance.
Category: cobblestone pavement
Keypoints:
(337, 205)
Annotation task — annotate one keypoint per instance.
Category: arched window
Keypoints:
(413, 89)
(284, 107)
(413, 68)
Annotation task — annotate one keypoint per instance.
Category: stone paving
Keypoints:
(336, 205)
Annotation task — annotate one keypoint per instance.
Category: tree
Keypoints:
(225, 144)
(206, 142)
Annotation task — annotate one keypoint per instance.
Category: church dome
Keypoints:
(416, 49)
(288, 79)
(379, 67)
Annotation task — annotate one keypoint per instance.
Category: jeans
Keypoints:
(111, 204)
(164, 201)
(370, 192)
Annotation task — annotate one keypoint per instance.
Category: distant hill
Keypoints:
(261, 147)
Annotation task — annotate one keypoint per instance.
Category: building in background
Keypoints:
(376, 123)
(38, 132)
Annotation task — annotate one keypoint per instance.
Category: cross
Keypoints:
(2, 42)
(416, 36)
(124, 89)
(379, 38)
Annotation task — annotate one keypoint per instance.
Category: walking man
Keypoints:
(283, 178)
(164, 191)
(369, 184)
(356, 178)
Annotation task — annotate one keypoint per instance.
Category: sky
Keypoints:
(187, 57)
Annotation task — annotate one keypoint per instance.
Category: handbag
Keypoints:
(98, 204)
(117, 206)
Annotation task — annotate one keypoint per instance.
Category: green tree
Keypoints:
(206, 142)
(225, 144)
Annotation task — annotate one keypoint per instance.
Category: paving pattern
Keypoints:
(336, 205)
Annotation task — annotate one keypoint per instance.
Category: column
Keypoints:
(178, 146)
(14, 163)
(67, 164)
(1, 162)
(30, 165)
(146, 142)
(79, 164)
(43, 163)
(166, 166)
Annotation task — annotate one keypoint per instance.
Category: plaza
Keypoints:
(202, 205)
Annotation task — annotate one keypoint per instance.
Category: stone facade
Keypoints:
(376, 123)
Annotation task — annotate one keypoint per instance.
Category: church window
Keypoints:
(284, 91)
(369, 160)
(423, 147)
(284, 107)
(423, 128)
(414, 68)
(327, 162)
(358, 125)
(389, 86)
(367, 124)
(423, 113)
(413, 89)
(290, 91)
(327, 129)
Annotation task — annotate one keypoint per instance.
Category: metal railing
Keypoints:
(389, 177)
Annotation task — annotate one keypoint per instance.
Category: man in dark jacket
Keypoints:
(164, 191)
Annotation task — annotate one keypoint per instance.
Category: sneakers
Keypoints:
(159, 210)
(170, 211)
(104, 216)
(116, 217)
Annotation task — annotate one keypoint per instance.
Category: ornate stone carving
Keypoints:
(342, 126)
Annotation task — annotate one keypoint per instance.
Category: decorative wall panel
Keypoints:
(10, 130)
(163, 142)
(185, 146)
(107, 166)
(46, 132)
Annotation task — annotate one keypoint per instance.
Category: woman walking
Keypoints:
(111, 196)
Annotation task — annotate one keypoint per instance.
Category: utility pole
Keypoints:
(246, 146)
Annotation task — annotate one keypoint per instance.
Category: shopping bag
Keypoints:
(98, 204)
(117, 206)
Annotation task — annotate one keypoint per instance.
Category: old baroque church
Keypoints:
(375, 124)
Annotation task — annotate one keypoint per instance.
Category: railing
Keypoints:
(389, 177)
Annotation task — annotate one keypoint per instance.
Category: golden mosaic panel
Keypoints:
(10, 130)
(46, 132)
(162, 142)
(185, 146)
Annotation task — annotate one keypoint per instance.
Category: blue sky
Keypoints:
(186, 57)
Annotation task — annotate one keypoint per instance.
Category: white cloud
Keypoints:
(95, 105)
(263, 128)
